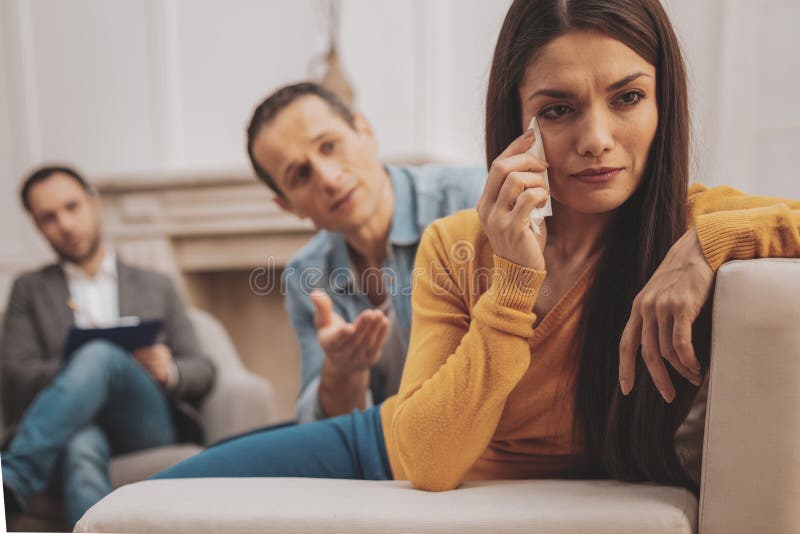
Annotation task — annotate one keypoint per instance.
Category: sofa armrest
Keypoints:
(241, 401)
(751, 473)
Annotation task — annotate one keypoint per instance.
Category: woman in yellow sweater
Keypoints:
(523, 360)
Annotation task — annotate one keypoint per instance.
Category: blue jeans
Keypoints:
(348, 446)
(102, 402)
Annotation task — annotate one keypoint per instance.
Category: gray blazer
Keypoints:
(37, 322)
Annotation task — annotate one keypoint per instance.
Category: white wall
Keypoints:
(167, 86)
(745, 76)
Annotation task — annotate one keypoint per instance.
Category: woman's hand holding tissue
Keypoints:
(662, 316)
(515, 187)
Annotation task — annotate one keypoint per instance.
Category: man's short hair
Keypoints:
(43, 173)
(277, 102)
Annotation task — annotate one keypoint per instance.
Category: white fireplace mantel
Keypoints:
(198, 222)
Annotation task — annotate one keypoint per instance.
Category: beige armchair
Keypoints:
(240, 401)
(750, 478)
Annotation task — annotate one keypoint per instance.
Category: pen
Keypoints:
(76, 310)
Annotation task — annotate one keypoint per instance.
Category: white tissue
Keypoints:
(537, 149)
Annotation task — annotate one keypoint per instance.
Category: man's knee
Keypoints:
(99, 355)
(87, 447)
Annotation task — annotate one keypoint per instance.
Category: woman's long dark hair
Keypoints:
(629, 438)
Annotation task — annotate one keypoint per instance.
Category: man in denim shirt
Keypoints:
(349, 288)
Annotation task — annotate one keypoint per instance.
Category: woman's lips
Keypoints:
(597, 178)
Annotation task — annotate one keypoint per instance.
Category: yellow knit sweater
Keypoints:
(484, 395)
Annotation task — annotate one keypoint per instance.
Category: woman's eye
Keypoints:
(631, 98)
(556, 111)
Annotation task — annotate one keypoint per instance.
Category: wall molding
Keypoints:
(431, 59)
(24, 134)
(28, 87)
(737, 123)
(164, 52)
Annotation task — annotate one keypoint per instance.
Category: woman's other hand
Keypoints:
(513, 189)
(662, 316)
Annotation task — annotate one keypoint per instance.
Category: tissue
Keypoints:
(537, 149)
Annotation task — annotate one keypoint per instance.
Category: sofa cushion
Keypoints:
(264, 505)
(136, 466)
(45, 512)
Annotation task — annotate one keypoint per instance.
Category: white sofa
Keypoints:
(750, 478)
(240, 401)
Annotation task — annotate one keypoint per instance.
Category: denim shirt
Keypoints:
(421, 195)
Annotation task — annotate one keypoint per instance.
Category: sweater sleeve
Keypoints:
(735, 226)
(462, 364)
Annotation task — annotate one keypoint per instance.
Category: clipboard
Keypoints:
(129, 337)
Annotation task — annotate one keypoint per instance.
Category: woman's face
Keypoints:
(595, 101)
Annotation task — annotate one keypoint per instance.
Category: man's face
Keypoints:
(325, 169)
(67, 216)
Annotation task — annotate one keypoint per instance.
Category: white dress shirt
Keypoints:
(95, 299)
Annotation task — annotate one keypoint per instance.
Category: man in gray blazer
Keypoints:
(68, 413)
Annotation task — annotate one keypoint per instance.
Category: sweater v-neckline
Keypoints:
(565, 304)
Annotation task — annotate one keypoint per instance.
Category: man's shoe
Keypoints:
(12, 505)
